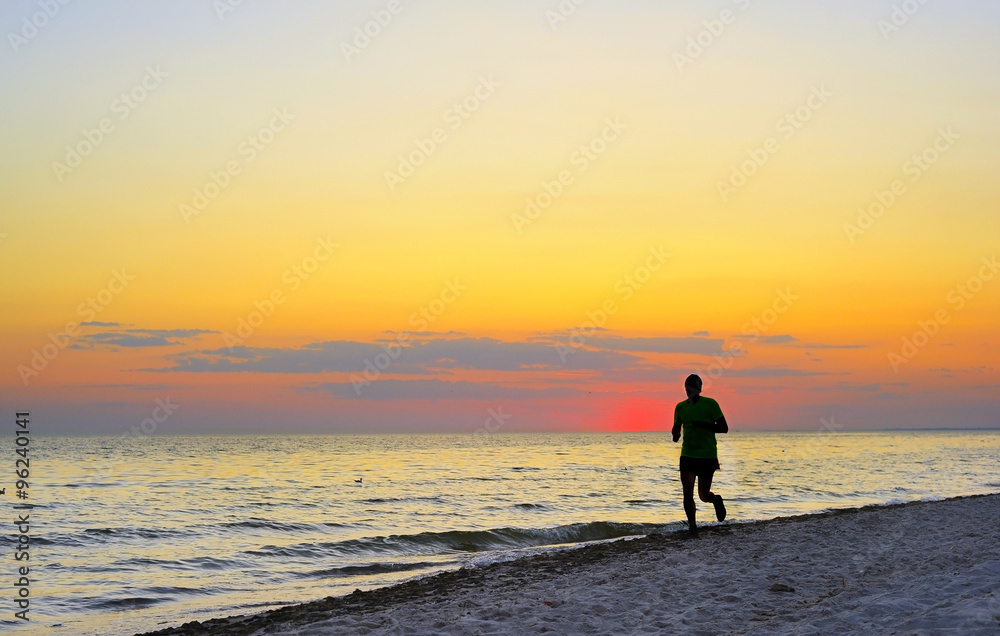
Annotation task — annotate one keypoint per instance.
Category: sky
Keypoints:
(444, 216)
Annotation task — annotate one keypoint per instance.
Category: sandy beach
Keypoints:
(916, 568)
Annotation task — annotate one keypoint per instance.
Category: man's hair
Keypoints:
(693, 380)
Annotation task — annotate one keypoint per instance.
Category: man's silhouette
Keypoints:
(700, 418)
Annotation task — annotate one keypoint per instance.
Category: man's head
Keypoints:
(692, 385)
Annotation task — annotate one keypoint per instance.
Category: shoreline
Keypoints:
(505, 595)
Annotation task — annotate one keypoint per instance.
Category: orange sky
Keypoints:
(559, 218)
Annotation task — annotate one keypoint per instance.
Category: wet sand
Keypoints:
(917, 568)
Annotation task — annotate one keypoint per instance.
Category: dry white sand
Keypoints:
(920, 568)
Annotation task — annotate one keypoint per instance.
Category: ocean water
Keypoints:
(131, 534)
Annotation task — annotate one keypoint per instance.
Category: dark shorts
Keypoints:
(699, 465)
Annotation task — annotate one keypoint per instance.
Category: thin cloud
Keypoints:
(772, 372)
(131, 387)
(819, 345)
(138, 338)
(697, 346)
(389, 389)
(406, 357)
(779, 339)
(320, 357)
(792, 341)
(875, 387)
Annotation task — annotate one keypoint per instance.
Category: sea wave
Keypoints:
(90, 536)
(459, 541)
(371, 568)
(269, 524)
(432, 498)
(189, 564)
(129, 603)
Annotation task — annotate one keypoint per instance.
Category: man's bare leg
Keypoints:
(705, 488)
(687, 482)
(705, 494)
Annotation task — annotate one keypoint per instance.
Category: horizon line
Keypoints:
(473, 433)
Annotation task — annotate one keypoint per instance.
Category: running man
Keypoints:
(700, 418)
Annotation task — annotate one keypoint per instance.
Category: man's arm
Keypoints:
(718, 426)
(676, 430)
(721, 426)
